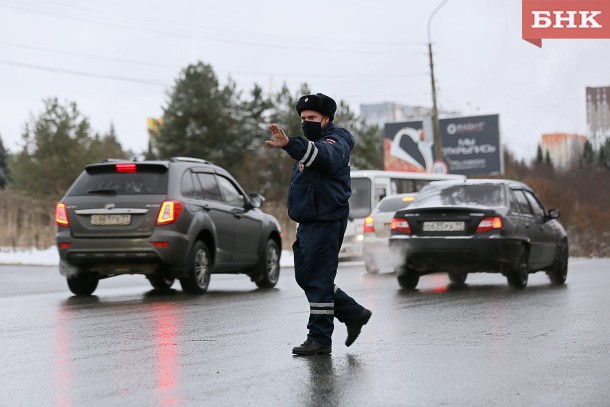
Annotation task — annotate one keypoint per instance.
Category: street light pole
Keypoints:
(436, 131)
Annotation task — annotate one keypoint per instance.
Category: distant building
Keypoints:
(564, 149)
(598, 115)
(389, 112)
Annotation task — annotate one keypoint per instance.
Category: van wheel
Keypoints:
(83, 283)
(517, 277)
(199, 266)
(161, 282)
(407, 278)
(269, 266)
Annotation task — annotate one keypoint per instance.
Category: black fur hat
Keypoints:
(318, 102)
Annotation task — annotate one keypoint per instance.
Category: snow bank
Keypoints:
(50, 257)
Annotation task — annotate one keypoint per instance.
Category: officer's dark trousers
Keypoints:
(316, 257)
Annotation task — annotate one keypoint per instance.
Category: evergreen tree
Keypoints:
(57, 145)
(588, 155)
(539, 155)
(107, 145)
(248, 134)
(4, 174)
(275, 165)
(368, 153)
(547, 159)
(604, 155)
(206, 120)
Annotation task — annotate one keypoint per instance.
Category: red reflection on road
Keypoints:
(166, 352)
(440, 283)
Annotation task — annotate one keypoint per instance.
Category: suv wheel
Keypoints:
(197, 277)
(407, 278)
(160, 281)
(517, 278)
(82, 283)
(269, 266)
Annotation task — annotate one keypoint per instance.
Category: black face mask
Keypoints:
(312, 130)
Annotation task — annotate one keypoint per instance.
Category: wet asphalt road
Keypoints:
(480, 345)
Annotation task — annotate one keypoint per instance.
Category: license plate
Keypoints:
(110, 220)
(444, 226)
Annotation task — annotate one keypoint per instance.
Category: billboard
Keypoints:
(471, 146)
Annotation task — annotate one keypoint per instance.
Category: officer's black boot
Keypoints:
(311, 348)
(353, 329)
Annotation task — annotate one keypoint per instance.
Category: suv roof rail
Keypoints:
(188, 159)
(113, 160)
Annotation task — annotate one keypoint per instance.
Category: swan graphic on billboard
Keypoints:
(471, 146)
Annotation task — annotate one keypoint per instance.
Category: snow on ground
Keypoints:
(50, 257)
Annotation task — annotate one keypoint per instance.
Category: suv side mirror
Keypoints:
(256, 200)
(553, 213)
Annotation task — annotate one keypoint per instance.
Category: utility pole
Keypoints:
(436, 131)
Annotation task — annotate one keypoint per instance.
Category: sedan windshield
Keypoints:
(393, 204)
(477, 195)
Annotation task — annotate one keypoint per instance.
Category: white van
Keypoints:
(368, 187)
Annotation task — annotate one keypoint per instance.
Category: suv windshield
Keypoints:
(478, 195)
(148, 180)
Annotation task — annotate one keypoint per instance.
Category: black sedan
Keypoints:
(495, 226)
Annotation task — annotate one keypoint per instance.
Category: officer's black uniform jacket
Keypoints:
(320, 186)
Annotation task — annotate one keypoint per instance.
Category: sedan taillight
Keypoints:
(489, 224)
(368, 225)
(401, 225)
(61, 216)
(169, 212)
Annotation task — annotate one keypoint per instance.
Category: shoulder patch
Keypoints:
(329, 141)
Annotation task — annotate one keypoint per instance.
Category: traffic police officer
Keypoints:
(318, 200)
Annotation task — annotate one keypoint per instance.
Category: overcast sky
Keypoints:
(117, 59)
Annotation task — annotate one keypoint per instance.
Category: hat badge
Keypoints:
(306, 99)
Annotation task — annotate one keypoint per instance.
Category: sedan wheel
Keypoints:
(559, 273)
(198, 273)
(458, 278)
(370, 265)
(269, 267)
(407, 278)
(517, 278)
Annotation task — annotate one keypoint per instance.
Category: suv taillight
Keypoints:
(169, 212)
(489, 224)
(61, 216)
(401, 225)
(369, 227)
(129, 168)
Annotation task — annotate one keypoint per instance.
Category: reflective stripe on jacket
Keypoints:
(320, 185)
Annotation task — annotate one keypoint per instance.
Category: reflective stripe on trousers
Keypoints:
(316, 257)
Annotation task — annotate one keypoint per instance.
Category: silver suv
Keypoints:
(179, 219)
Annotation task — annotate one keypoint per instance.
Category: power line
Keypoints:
(80, 73)
(544, 106)
(174, 32)
(348, 77)
(173, 25)
(88, 56)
